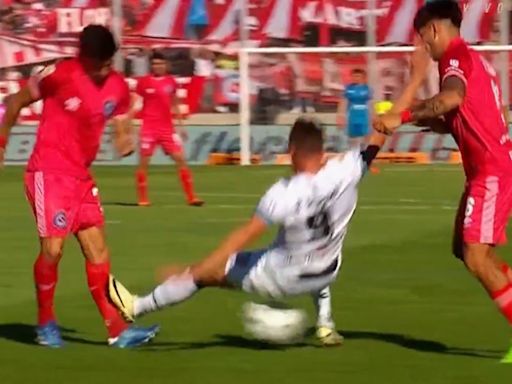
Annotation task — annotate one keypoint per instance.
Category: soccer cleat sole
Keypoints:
(44, 343)
(150, 337)
(121, 298)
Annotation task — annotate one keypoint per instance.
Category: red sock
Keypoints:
(45, 277)
(503, 299)
(142, 185)
(97, 279)
(187, 183)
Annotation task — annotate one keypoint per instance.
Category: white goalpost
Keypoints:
(370, 52)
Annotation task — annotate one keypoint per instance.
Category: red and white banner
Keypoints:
(165, 18)
(479, 16)
(15, 51)
(73, 20)
(54, 30)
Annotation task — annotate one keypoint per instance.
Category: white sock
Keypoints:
(323, 307)
(173, 291)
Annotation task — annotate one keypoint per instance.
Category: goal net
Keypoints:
(279, 84)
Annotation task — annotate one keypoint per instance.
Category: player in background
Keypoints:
(160, 105)
(353, 110)
(469, 106)
(312, 209)
(79, 96)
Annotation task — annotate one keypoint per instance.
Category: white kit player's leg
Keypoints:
(322, 300)
(173, 291)
(325, 326)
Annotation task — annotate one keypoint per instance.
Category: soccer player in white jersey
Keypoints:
(312, 208)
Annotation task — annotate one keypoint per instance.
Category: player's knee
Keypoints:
(52, 249)
(208, 276)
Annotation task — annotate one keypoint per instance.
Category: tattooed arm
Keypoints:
(453, 91)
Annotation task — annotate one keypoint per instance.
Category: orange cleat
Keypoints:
(195, 202)
(144, 203)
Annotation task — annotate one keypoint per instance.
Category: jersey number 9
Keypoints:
(319, 225)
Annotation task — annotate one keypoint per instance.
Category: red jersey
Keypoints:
(75, 111)
(478, 125)
(157, 94)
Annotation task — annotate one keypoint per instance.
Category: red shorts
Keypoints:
(63, 204)
(483, 213)
(169, 140)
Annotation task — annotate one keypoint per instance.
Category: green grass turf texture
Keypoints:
(408, 309)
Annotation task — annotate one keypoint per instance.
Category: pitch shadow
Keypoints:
(25, 334)
(119, 204)
(421, 345)
(226, 341)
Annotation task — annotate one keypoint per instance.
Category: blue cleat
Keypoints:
(49, 335)
(134, 336)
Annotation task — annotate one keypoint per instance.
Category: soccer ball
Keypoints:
(274, 325)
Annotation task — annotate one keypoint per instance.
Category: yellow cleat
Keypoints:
(122, 299)
(329, 337)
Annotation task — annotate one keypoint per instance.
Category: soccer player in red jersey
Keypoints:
(158, 92)
(469, 106)
(79, 96)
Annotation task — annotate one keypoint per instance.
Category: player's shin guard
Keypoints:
(187, 183)
(503, 299)
(45, 277)
(173, 291)
(142, 186)
(97, 279)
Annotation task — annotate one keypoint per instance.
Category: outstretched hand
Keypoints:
(387, 123)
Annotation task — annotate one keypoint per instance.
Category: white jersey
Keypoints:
(314, 210)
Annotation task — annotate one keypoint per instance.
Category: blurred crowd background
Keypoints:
(200, 38)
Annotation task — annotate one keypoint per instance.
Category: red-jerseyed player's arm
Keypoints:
(237, 240)
(420, 65)
(15, 103)
(453, 91)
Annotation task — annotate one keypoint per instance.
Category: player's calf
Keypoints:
(45, 278)
(186, 179)
(482, 263)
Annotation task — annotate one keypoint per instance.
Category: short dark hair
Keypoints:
(358, 71)
(97, 42)
(306, 136)
(157, 55)
(438, 10)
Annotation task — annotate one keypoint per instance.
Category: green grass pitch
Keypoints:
(409, 311)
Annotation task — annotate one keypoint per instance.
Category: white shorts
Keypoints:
(270, 272)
